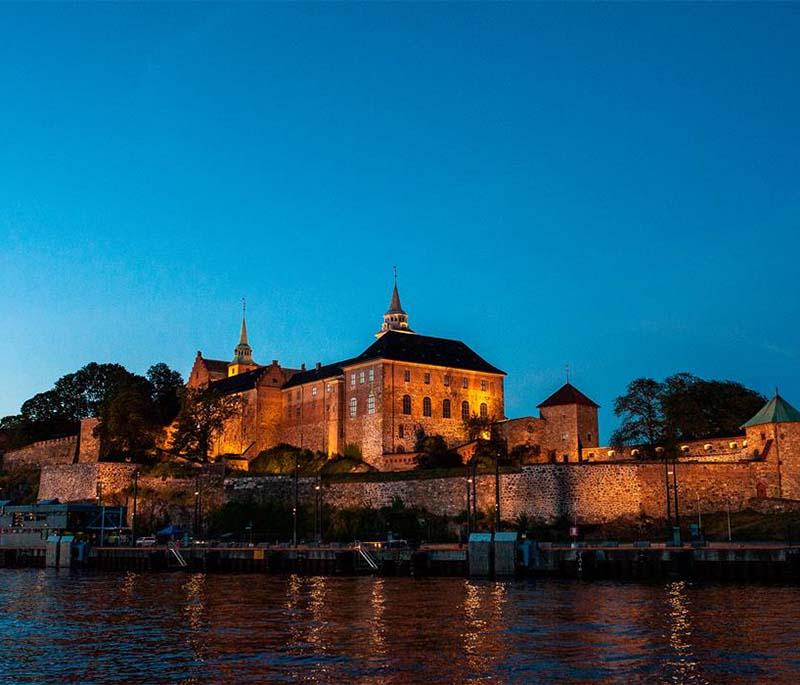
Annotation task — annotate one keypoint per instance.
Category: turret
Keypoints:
(395, 318)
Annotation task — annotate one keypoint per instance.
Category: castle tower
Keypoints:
(242, 353)
(773, 434)
(570, 423)
(395, 318)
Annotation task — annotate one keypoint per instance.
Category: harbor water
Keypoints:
(62, 626)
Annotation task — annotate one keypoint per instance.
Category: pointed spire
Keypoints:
(243, 354)
(395, 318)
(243, 333)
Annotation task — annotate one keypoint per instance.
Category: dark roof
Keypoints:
(238, 383)
(311, 375)
(216, 365)
(422, 349)
(567, 394)
(777, 410)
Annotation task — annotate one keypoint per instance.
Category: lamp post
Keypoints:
(318, 513)
(135, 499)
(497, 490)
(666, 485)
(196, 527)
(294, 508)
(469, 508)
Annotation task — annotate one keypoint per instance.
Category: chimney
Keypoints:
(318, 366)
(302, 367)
(275, 362)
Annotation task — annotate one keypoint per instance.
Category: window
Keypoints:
(446, 380)
(426, 406)
(445, 409)
(426, 379)
(464, 410)
(484, 410)
(313, 391)
(564, 436)
(407, 404)
(353, 406)
(465, 382)
(371, 404)
(352, 379)
(406, 375)
(588, 437)
(328, 387)
(361, 376)
(484, 386)
(371, 375)
(401, 431)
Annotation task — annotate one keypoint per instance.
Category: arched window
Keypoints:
(445, 409)
(406, 404)
(353, 406)
(371, 404)
(484, 410)
(426, 406)
(464, 410)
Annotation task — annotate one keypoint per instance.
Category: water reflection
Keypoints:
(248, 629)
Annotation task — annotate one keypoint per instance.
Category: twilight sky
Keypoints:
(609, 186)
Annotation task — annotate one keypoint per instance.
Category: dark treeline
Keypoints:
(131, 408)
(682, 407)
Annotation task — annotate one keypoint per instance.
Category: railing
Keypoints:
(366, 556)
(181, 561)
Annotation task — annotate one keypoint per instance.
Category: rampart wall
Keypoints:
(588, 492)
(56, 451)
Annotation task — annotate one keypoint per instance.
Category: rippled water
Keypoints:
(156, 628)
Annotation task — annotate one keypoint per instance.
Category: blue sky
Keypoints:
(609, 186)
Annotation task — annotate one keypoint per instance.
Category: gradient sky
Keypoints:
(609, 186)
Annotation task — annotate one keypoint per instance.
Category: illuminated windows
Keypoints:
(484, 386)
(484, 410)
(353, 407)
(361, 376)
(371, 375)
(371, 404)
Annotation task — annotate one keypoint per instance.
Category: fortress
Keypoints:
(405, 381)
(378, 400)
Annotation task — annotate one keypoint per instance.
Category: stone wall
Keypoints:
(592, 493)
(89, 444)
(56, 451)
(79, 482)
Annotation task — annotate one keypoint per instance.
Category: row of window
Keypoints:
(368, 375)
(363, 376)
(427, 408)
(426, 379)
(354, 405)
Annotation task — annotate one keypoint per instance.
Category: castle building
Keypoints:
(379, 399)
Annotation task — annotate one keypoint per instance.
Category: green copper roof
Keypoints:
(777, 410)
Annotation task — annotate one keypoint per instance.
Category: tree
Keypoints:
(128, 419)
(202, 416)
(433, 452)
(167, 386)
(695, 408)
(682, 407)
(641, 412)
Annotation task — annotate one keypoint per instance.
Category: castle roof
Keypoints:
(238, 383)
(777, 410)
(216, 365)
(423, 349)
(316, 374)
(567, 394)
(394, 305)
